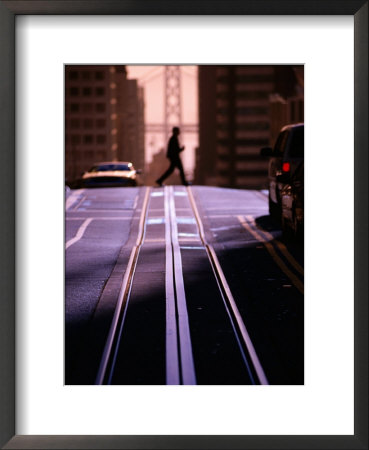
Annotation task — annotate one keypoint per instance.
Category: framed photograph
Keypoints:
(73, 74)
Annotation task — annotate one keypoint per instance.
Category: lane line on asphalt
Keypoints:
(123, 298)
(135, 202)
(229, 300)
(80, 233)
(90, 210)
(298, 284)
(99, 218)
(75, 208)
(280, 245)
(73, 198)
(237, 210)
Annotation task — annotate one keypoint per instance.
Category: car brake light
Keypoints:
(286, 167)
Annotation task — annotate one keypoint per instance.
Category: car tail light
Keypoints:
(286, 167)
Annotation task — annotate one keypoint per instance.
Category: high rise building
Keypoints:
(131, 139)
(104, 118)
(235, 122)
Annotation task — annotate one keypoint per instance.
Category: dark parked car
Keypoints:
(109, 174)
(285, 158)
(292, 195)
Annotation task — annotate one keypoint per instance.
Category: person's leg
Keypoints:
(167, 173)
(181, 172)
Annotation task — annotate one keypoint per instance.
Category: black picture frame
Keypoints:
(8, 11)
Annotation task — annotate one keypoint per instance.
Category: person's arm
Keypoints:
(180, 149)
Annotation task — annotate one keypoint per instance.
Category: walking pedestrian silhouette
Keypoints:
(175, 161)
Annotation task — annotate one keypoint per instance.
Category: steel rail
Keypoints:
(171, 333)
(123, 295)
(231, 306)
(179, 357)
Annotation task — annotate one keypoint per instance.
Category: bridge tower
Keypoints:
(172, 99)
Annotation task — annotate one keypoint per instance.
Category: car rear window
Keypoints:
(110, 167)
(297, 143)
(280, 144)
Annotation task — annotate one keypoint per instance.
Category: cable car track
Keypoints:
(180, 360)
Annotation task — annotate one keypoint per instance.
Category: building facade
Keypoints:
(131, 139)
(235, 122)
(99, 122)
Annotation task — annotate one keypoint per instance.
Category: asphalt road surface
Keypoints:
(179, 285)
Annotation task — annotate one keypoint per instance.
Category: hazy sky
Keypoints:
(152, 79)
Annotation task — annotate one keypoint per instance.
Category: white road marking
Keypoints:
(80, 233)
(135, 202)
(236, 210)
(79, 203)
(73, 198)
(88, 210)
(99, 218)
(155, 221)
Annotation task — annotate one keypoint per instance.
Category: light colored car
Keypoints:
(110, 174)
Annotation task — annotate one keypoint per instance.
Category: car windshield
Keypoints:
(111, 167)
(297, 143)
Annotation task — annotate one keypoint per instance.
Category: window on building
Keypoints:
(88, 123)
(86, 75)
(101, 139)
(87, 91)
(75, 123)
(74, 107)
(76, 139)
(100, 123)
(87, 107)
(253, 126)
(100, 107)
(100, 75)
(100, 91)
(252, 111)
(73, 75)
(88, 139)
(251, 95)
(74, 91)
(254, 78)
